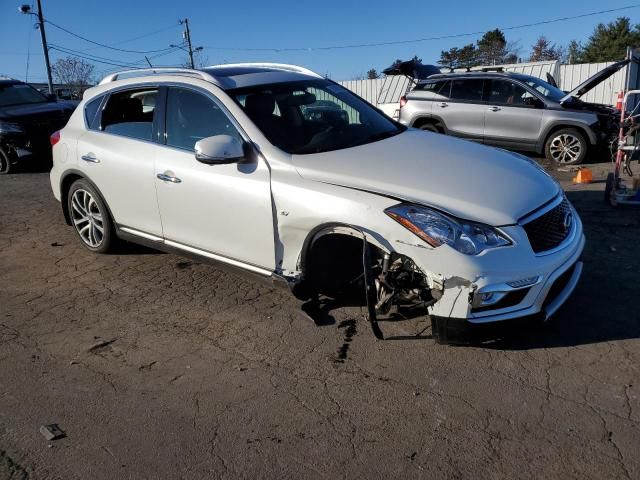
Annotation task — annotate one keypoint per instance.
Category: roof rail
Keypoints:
(142, 72)
(276, 66)
(492, 69)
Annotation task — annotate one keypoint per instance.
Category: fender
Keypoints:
(583, 127)
(64, 202)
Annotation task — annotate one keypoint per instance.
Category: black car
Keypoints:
(27, 119)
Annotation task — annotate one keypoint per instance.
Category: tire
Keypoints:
(90, 217)
(430, 127)
(5, 164)
(566, 147)
(608, 189)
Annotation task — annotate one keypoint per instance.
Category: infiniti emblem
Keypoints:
(567, 222)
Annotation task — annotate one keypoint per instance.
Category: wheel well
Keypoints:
(332, 264)
(563, 127)
(425, 121)
(64, 191)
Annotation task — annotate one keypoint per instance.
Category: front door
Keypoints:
(511, 119)
(223, 210)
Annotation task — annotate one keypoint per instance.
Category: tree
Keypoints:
(200, 60)
(455, 57)
(609, 42)
(492, 48)
(73, 72)
(573, 52)
(543, 50)
(372, 74)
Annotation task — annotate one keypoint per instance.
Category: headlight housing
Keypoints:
(437, 229)
(10, 127)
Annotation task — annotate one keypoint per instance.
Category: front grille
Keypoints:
(550, 229)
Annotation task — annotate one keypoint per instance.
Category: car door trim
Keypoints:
(197, 251)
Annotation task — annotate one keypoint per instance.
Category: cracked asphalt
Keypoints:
(159, 367)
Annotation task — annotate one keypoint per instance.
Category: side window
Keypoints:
(130, 113)
(191, 116)
(90, 110)
(468, 89)
(440, 89)
(505, 92)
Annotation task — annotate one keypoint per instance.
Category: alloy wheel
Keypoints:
(87, 218)
(565, 148)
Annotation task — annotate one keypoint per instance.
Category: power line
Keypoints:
(155, 32)
(426, 39)
(142, 52)
(90, 58)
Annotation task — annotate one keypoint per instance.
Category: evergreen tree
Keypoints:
(609, 42)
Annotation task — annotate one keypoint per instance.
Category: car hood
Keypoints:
(15, 112)
(467, 180)
(595, 80)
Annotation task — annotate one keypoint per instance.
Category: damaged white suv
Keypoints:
(279, 172)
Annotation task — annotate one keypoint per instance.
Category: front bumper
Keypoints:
(552, 278)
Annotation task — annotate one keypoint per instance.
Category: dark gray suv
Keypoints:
(513, 111)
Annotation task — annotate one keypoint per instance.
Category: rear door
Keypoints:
(512, 119)
(117, 154)
(462, 112)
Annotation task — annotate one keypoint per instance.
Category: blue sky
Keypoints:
(284, 24)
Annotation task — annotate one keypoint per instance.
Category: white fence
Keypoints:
(385, 93)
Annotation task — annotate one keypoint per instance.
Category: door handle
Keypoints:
(168, 178)
(90, 157)
(444, 104)
(495, 109)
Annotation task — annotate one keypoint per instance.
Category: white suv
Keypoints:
(284, 174)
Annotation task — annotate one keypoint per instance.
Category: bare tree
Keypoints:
(74, 72)
(543, 50)
(200, 60)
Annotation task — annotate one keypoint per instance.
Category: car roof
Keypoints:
(229, 76)
(477, 74)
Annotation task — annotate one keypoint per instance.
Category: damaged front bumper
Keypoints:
(511, 283)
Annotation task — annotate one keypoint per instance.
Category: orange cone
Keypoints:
(619, 101)
(584, 176)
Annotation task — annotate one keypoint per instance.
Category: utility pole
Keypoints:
(26, 9)
(43, 35)
(187, 36)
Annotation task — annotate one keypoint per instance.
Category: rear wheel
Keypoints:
(567, 147)
(90, 217)
(430, 127)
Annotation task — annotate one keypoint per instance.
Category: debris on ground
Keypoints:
(52, 432)
(101, 343)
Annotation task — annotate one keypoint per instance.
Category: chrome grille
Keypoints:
(549, 229)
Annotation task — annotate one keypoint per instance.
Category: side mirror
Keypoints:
(533, 102)
(219, 150)
(52, 97)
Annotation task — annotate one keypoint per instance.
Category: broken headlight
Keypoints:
(437, 229)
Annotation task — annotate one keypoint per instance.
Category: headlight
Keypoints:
(8, 127)
(437, 229)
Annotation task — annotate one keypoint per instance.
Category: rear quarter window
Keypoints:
(439, 89)
(90, 111)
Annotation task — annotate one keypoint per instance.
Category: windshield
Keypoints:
(313, 116)
(18, 94)
(546, 89)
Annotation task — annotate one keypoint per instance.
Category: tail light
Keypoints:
(54, 138)
(403, 101)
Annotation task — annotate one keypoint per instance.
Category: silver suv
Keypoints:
(513, 111)
(275, 171)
